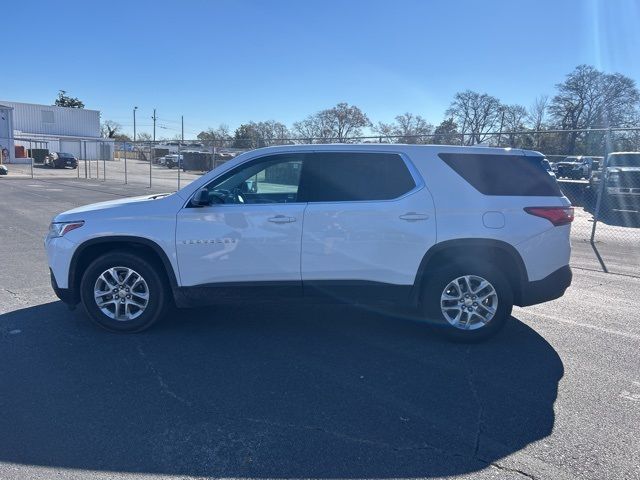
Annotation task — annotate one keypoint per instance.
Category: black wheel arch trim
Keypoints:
(171, 274)
(469, 243)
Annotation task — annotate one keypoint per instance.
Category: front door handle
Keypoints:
(414, 217)
(282, 219)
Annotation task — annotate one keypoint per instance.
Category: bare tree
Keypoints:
(589, 98)
(537, 113)
(271, 132)
(217, 137)
(110, 129)
(537, 117)
(513, 119)
(340, 123)
(144, 137)
(407, 128)
(477, 113)
(311, 127)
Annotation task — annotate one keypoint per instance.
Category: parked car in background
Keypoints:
(547, 166)
(60, 160)
(566, 166)
(173, 160)
(453, 236)
(621, 175)
(577, 167)
(172, 147)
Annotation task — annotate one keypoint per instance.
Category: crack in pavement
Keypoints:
(475, 456)
(509, 469)
(476, 398)
(164, 387)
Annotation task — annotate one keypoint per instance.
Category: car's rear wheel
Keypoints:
(122, 292)
(469, 301)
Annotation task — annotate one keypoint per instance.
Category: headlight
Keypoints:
(58, 229)
(614, 178)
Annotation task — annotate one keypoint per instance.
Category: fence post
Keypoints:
(104, 163)
(600, 193)
(85, 162)
(151, 160)
(125, 166)
(180, 163)
(31, 155)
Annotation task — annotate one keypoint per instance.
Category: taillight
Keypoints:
(556, 215)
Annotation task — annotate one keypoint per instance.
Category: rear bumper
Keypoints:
(549, 288)
(67, 295)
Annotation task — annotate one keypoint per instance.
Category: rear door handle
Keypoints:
(414, 217)
(282, 219)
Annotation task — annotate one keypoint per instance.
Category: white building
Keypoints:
(58, 129)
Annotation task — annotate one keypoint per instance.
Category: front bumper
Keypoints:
(67, 295)
(549, 288)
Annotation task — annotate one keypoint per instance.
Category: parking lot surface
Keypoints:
(276, 391)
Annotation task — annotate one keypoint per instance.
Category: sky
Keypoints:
(232, 61)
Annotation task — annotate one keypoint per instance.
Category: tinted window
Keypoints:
(272, 179)
(343, 176)
(513, 175)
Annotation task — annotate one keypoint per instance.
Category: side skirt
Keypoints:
(342, 291)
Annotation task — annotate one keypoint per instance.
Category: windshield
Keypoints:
(624, 160)
(65, 155)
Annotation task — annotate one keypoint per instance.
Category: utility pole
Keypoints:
(154, 125)
(134, 124)
(154, 145)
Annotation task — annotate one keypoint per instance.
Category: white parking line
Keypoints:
(585, 325)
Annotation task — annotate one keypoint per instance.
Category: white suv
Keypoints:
(456, 235)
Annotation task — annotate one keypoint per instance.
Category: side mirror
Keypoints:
(201, 198)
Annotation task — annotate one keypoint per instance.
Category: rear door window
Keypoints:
(509, 175)
(344, 176)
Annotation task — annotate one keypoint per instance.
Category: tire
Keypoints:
(100, 275)
(476, 327)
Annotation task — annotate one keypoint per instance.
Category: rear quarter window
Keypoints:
(508, 175)
(354, 176)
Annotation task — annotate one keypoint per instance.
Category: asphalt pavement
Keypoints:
(279, 391)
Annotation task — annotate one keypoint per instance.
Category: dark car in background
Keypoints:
(621, 176)
(61, 160)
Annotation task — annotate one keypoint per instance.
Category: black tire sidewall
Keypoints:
(157, 292)
(440, 279)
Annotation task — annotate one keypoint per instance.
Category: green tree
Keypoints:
(247, 136)
(64, 100)
(446, 133)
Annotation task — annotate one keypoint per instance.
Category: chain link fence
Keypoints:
(604, 188)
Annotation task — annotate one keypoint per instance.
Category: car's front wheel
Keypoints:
(122, 292)
(470, 301)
